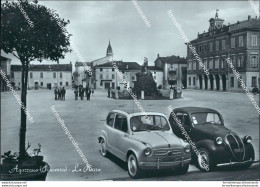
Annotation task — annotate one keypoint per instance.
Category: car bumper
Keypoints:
(162, 165)
(237, 163)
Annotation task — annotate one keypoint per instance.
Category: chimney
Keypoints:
(158, 55)
(249, 17)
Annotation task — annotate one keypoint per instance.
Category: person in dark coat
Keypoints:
(76, 92)
(108, 92)
(59, 94)
(63, 93)
(88, 94)
(81, 93)
(56, 93)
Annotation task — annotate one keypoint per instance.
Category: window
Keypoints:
(233, 41)
(133, 78)
(113, 69)
(41, 83)
(254, 40)
(110, 119)
(101, 76)
(182, 118)
(154, 72)
(113, 76)
(54, 75)
(31, 75)
(241, 42)
(223, 45)
(211, 63)
(190, 65)
(67, 83)
(240, 61)
(101, 83)
(254, 61)
(107, 76)
(216, 63)
(41, 75)
(154, 77)
(194, 81)
(101, 69)
(60, 83)
(107, 70)
(254, 82)
(189, 80)
(222, 63)
(205, 48)
(194, 65)
(12, 74)
(200, 48)
(233, 60)
(121, 123)
(211, 47)
(205, 63)
(217, 45)
(232, 82)
(60, 74)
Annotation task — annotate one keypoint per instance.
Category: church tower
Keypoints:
(109, 50)
(215, 23)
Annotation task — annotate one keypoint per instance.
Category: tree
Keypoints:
(40, 35)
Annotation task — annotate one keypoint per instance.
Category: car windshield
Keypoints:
(139, 123)
(203, 118)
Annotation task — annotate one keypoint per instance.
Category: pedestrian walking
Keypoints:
(88, 94)
(63, 93)
(81, 92)
(76, 92)
(92, 90)
(56, 93)
(108, 92)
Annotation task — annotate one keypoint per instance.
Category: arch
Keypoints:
(224, 82)
(217, 81)
(200, 81)
(211, 80)
(206, 81)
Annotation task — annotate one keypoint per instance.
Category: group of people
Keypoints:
(59, 93)
(80, 91)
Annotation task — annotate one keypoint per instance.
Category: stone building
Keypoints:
(44, 76)
(174, 70)
(106, 76)
(239, 42)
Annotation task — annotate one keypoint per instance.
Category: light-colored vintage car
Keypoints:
(143, 144)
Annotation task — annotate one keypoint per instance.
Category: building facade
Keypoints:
(157, 74)
(239, 42)
(44, 76)
(6, 68)
(107, 77)
(174, 71)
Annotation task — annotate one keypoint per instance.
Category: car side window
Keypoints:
(121, 123)
(179, 117)
(110, 119)
(186, 120)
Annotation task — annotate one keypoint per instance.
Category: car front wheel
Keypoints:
(103, 149)
(133, 169)
(204, 160)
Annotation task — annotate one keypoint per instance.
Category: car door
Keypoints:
(109, 128)
(120, 136)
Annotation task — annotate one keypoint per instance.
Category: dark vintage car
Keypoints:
(217, 145)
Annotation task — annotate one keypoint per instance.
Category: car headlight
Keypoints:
(187, 148)
(248, 139)
(219, 140)
(147, 151)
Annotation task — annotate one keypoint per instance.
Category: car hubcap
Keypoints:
(203, 157)
(103, 147)
(132, 166)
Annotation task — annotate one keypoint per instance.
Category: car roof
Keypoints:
(194, 109)
(131, 112)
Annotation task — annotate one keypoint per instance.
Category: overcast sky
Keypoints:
(93, 23)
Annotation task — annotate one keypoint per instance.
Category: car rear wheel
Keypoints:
(182, 170)
(204, 160)
(103, 149)
(133, 169)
